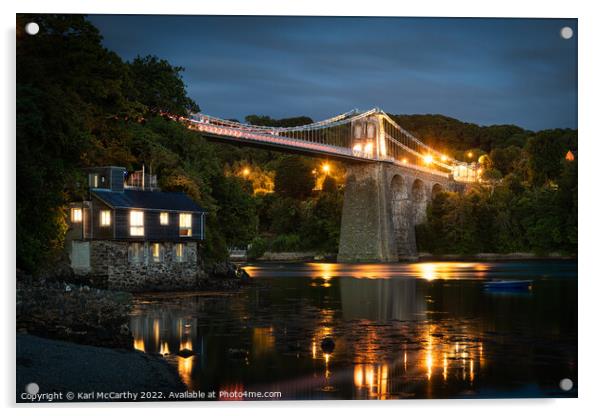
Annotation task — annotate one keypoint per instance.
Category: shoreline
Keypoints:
(307, 257)
(62, 366)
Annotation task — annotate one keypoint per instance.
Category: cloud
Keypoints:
(480, 70)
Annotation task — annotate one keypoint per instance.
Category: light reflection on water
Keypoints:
(403, 330)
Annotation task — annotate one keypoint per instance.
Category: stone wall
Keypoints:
(383, 203)
(112, 267)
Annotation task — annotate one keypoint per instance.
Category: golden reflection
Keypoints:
(185, 369)
(186, 345)
(313, 350)
(358, 375)
(263, 340)
(371, 380)
(447, 270)
(139, 344)
(164, 348)
(471, 370)
(444, 366)
(156, 333)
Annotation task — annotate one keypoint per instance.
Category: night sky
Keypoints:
(486, 71)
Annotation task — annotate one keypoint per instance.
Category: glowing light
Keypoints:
(357, 148)
(368, 148)
(313, 350)
(185, 369)
(76, 215)
(443, 158)
(139, 344)
(470, 155)
(428, 159)
(471, 370)
(369, 375)
(326, 168)
(164, 348)
(428, 271)
(404, 161)
(358, 376)
(186, 345)
(246, 172)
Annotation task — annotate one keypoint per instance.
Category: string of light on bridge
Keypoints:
(370, 136)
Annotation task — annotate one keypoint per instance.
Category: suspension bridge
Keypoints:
(390, 174)
(370, 136)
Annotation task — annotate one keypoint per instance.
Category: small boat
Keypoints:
(508, 284)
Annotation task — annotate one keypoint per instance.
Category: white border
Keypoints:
(590, 69)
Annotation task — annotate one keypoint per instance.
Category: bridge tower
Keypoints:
(383, 201)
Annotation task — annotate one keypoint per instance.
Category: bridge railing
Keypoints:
(334, 136)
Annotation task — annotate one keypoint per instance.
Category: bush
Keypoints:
(286, 242)
(257, 248)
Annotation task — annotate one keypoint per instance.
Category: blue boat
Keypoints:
(508, 285)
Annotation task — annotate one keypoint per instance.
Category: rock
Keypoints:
(327, 345)
(185, 353)
(244, 276)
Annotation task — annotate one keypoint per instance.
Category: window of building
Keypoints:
(136, 223)
(136, 253)
(164, 218)
(105, 218)
(76, 215)
(179, 247)
(185, 225)
(157, 252)
(370, 131)
(94, 180)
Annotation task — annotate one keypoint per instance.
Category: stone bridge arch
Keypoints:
(383, 203)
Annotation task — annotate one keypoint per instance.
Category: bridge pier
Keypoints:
(366, 231)
(383, 203)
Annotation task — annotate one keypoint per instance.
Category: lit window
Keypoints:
(164, 218)
(371, 130)
(179, 252)
(76, 215)
(157, 252)
(94, 181)
(185, 225)
(105, 218)
(357, 131)
(136, 253)
(136, 223)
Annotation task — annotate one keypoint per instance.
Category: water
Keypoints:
(423, 330)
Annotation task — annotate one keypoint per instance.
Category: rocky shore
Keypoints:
(61, 367)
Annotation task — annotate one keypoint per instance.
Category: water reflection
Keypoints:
(165, 333)
(418, 330)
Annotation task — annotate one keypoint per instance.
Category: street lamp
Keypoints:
(428, 159)
(246, 172)
(326, 168)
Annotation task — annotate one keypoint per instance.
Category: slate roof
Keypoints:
(133, 198)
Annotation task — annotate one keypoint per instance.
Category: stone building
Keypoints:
(130, 235)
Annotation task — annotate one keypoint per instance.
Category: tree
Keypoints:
(546, 151)
(159, 85)
(294, 178)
